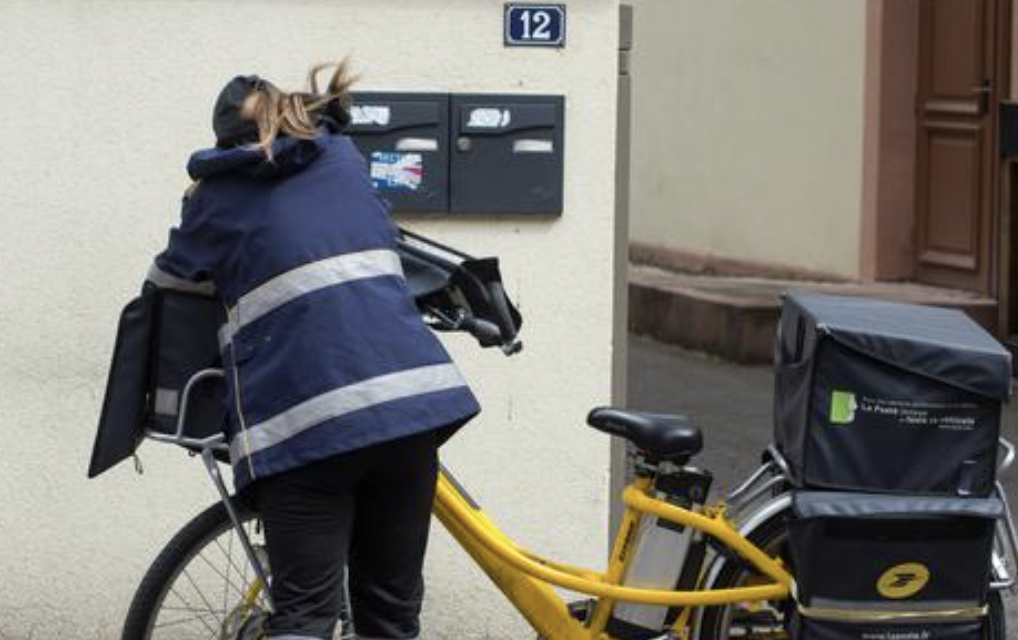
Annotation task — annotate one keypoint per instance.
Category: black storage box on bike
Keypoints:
(879, 396)
(892, 566)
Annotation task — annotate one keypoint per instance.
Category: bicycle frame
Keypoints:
(529, 580)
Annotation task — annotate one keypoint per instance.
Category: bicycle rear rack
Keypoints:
(216, 442)
(207, 448)
(1006, 543)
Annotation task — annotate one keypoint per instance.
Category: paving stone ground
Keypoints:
(732, 404)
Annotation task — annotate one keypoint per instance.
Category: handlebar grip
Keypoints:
(487, 333)
(500, 305)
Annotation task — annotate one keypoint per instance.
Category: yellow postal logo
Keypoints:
(903, 581)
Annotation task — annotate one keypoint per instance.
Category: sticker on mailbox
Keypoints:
(370, 115)
(490, 118)
(396, 170)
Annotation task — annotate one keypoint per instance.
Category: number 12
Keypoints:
(536, 25)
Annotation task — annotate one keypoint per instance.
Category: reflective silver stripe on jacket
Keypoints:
(341, 401)
(305, 279)
(165, 280)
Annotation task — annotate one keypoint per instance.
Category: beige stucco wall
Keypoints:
(747, 134)
(102, 102)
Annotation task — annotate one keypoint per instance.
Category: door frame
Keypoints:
(889, 139)
(1007, 180)
(889, 144)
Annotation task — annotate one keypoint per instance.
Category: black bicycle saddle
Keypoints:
(661, 436)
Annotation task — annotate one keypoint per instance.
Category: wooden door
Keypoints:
(956, 160)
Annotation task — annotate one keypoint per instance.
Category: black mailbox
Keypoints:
(405, 140)
(507, 154)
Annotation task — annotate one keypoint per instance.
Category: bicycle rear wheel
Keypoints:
(770, 620)
(201, 586)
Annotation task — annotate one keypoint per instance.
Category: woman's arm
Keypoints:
(186, 263)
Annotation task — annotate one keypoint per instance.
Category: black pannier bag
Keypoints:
(165, 337)
(860, 550)
(124, 405)
(186, 342)
(868, 564)
(880, 396)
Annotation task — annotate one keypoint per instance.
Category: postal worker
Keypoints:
(339, 394)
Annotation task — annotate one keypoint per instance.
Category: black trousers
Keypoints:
(368, 510)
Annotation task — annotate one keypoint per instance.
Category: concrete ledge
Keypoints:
(735, 318)
(691, 261)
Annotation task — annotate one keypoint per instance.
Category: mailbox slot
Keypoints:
(405, 141)
(507, 154)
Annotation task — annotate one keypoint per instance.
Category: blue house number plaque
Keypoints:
(535, 25)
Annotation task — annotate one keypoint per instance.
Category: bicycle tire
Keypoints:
(151, 592)
(770, 535)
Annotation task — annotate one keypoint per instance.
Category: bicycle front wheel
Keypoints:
(201, 585)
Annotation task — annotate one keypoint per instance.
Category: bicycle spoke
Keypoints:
(229, 565)
(236, 568)
(201, 594)
(245, 565)
(188, 604)
(172, 623)
(226, 581)
(208, 596)
(230, 558)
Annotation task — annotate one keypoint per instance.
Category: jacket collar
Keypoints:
(289, 156)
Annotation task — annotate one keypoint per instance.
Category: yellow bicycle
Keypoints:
(734, 580)
(681, 566)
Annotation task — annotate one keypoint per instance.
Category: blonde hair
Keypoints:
(295, 113)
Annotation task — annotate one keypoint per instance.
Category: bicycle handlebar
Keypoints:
(487, 333)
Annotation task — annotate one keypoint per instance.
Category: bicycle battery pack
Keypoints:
(665, 556)
(885, 397)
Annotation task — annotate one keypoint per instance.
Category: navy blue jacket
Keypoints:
(324, 349)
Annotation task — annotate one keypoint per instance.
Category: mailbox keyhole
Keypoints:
(463, 144)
